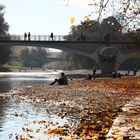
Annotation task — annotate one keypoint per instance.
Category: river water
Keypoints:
(17, 80)
(15, 116)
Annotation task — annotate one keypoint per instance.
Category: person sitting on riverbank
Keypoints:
(134, 72)
(119, 75)
(114, 74)
(61, 81)
(89, 77)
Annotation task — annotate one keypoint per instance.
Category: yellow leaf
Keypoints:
(51, 131)
(72, 20)
(120, 138)
(29, 129)
(24, 138)
(37, 130)
(39, 122)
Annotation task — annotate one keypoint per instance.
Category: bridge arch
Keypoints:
(91, 49)
(130, 63)
(83, 48)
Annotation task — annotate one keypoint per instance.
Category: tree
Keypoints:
(88, 29)
(3, 24)
(4, 51)
(133, 35)
(24, 57)
(35, 57)
(127, 12)
(76, 61)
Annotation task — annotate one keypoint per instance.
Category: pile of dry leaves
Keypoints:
(94, 104)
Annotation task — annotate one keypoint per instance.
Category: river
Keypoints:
(17, 80)
(17, 116)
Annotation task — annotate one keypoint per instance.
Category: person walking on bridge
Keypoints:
(25, 36)
(52, 36)
(29, 35)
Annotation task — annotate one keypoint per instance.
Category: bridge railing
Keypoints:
(34, 37)
(59, 38)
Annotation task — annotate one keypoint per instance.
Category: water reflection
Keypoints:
(10, 81)
(14, 116)
(3, 106)
(5, 86)
(8, 84)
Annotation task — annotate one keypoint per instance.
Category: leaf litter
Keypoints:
(92, 104)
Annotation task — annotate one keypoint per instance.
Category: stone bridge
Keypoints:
(109, 56)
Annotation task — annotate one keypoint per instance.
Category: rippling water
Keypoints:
(17, 80)
(14, 115)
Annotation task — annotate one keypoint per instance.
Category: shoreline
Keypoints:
(95, 103)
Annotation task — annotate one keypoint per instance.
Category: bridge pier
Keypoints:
(107, 66)
(108, 59)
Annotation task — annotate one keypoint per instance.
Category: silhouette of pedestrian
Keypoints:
(94, 72)
(128, 71)
(134, 72)
(119, 75)
(29, 35)
(52, 36)
(82, 37)
(25, 36)
(107, 39)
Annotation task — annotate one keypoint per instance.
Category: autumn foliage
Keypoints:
(92, 104)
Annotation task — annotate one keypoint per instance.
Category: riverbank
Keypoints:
(93, 103)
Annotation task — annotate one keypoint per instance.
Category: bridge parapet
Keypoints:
(33, 37)
(64, 38)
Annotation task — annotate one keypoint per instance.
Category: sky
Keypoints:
(41, 17)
